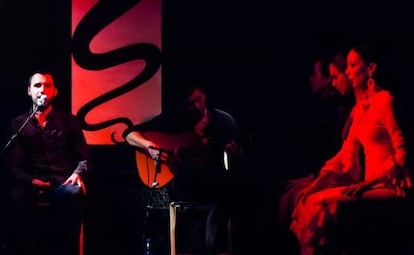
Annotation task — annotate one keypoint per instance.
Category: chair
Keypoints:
(43, 207)
(187, 227)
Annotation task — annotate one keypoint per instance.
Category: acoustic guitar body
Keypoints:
(169, 143)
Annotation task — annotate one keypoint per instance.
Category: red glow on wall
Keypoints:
(94, 81)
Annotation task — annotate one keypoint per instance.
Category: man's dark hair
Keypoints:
(39, 71)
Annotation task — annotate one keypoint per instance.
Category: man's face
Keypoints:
(197, 102)
(42, 84)
(317, 80)
(339, 80)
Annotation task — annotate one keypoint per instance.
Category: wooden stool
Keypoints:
(187, 227)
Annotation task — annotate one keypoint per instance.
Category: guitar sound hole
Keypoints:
(182, 153)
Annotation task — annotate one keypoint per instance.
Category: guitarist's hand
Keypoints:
(155, 152)
(233, 148)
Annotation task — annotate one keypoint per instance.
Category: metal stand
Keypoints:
(20, 129)
(148, 231)
(3, 241)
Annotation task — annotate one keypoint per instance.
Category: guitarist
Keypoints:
(200, 175)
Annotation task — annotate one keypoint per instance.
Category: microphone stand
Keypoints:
(21, 128)
(3, 246)
(147, 226)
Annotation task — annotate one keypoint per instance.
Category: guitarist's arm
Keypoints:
(137, 139)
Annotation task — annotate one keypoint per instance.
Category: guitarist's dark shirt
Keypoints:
(199, 173)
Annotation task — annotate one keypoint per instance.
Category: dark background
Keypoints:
(257, 56)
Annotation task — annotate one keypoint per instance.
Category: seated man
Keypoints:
(332, 126)
(199, 169)
(47, 159)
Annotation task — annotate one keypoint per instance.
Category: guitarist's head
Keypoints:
(193, 105)
(196, 102)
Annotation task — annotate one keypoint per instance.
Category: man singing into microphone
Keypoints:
(47, 162)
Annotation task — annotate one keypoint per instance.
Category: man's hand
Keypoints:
(156, 153)
(40, 183)
(75, 179)
(233, 148)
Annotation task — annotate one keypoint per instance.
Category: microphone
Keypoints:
(41, 101)
(157, 159)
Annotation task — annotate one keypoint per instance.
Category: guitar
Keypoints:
(147, 167)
